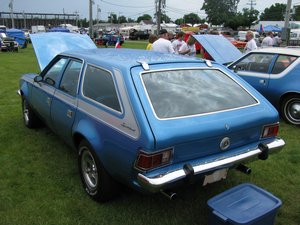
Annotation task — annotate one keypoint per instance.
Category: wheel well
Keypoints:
(77, 138)
(286, 95)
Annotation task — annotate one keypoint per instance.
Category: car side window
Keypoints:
(283, 62)
(52, 75)
(99, 86)
(69, 82)
(258, 63)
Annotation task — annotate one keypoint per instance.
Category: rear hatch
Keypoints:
(197, 110)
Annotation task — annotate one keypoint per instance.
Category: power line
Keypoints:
(126, 6)
(141, 12)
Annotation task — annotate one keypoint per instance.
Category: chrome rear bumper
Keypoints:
(161, 181)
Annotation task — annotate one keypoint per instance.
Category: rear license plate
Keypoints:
(215, 176)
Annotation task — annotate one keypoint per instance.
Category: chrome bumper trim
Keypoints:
(19, 92)
(157, 183)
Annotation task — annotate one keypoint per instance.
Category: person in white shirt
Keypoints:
(251, 44)
(268, 41)
(277, 40)
(178, 42)
(163, 44)
(189, 47)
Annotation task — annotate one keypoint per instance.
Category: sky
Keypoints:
(129, 8)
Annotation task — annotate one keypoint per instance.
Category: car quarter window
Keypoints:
(99, 86)
(255, 62)
(182, 93)
(53, 73)
(283, 62)
(69, 82)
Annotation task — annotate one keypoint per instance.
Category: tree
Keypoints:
(249, 16)
(234, 21)
(274, 13)
(165, 18)
(130, 20)
(179, 21)
(144, 17)
(218, 11)
(191, 18)
(296, 14)
(112, 18)
(122, 19)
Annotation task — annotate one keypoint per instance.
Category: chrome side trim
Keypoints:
(161, 181)
(65, 97)
(126, 124)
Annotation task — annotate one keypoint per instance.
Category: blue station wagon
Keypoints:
(149, 120)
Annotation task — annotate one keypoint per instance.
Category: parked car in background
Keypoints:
(149, 120)
(236, 43)
(139, 35)
(274, 72)
(109, 39)
(8, 43)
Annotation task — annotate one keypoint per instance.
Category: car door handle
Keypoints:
(69, 113)
(262, 82)
(48, 101)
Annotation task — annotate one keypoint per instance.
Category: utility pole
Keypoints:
(65, 25)
(91, 19)
(286, 29)
(119, 17)
(159, 4)
(24, 17)
(251, 3)
(77, 17)
(11, 6)
(98, 13)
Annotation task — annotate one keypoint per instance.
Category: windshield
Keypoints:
(182, 93)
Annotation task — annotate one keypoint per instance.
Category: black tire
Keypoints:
(29, 117)
(97, 183)
(290, 109)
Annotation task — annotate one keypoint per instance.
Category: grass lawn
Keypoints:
(39, 181)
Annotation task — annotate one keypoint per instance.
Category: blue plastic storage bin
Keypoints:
(244, 204)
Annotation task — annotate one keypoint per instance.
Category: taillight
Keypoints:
(149, 161)
(270, 131)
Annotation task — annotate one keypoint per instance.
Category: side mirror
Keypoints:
(235, 68)
(38, 79)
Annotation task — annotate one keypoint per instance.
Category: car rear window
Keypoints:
(181, 93)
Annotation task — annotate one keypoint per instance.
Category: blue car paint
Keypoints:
(274, 89)
(195, 139)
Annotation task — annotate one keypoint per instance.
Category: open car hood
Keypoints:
(219, 48)
(48, 45)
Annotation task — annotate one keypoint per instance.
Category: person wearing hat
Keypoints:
(163, 44)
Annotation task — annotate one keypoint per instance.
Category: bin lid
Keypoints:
(244, 203)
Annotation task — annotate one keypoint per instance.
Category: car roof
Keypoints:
(284, 51)
(48, 45)
(128, 58)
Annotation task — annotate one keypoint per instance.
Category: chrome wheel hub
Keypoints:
(294, 110)
(25, 112)
(89, 169)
